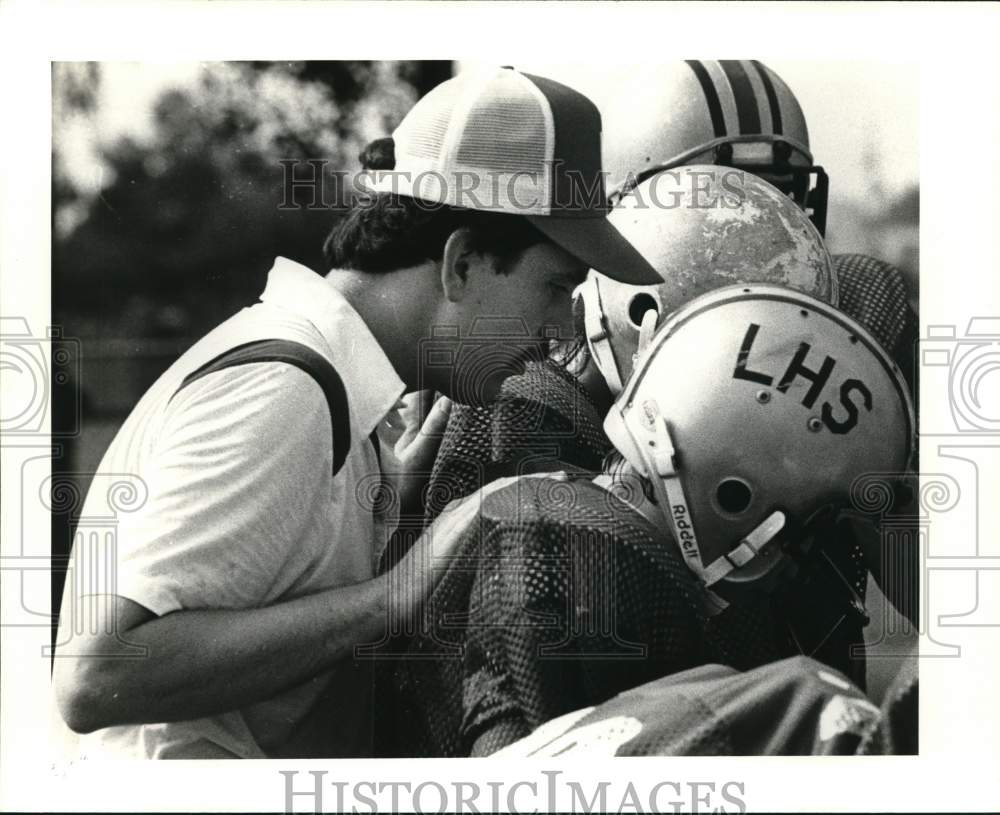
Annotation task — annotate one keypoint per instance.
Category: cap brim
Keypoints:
(599, 244)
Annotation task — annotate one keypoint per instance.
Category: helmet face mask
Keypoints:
(808, 187)
(806, 184)
(702, 228)
(752, 413)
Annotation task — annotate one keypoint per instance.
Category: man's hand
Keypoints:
(416, 575)
(413, 431)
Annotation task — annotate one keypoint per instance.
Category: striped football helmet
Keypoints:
(738, 113)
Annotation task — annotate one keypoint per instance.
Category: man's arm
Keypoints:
(201, 663)
(205, 662)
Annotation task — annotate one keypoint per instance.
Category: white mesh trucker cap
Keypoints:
(509, 142)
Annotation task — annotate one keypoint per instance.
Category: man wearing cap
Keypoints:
(244, 576)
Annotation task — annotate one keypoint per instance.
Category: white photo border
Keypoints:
(953, 47)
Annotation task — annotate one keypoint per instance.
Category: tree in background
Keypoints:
(184, 224)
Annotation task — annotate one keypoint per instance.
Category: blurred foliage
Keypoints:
(185, 222)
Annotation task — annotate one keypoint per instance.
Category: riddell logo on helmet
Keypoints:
(688, 542)
(797, 368)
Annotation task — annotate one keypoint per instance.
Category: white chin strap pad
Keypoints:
(598, 336)
(646, 331)
(746, 549)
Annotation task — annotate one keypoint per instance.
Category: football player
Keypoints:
(740, 115)
(533, 522)
(707, 540)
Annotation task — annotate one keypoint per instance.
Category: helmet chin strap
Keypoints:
(598, 335)
(661, 468)
(661, 465)
(746, 549)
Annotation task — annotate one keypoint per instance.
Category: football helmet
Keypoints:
(752, 413)
(737, 113)
(701, 228)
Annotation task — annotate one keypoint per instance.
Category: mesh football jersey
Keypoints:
(873, 292)
(562, 596)
(498, 688)
(542, 420)
(552, 604)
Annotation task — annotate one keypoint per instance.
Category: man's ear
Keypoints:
(457, 262)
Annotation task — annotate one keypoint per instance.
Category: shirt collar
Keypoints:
(372, 384)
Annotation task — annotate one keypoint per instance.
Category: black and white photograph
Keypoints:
(609, 413)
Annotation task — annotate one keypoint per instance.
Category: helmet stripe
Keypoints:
(763, 109)
(711, 97)
(746, 100)
(772, 97)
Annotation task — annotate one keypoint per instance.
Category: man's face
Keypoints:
(511, 318)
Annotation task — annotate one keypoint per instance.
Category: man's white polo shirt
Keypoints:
(242, 510)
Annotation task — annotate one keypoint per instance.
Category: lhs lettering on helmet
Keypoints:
(685, 532)
(818, 378)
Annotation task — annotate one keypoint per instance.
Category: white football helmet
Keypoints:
(738, 113)
(752, 412)
(701, 228)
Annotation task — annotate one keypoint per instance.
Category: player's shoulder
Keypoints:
(568, 507)
(550, 494)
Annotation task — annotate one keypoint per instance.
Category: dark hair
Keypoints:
(614, 464)
(383, 232)
(573, 355)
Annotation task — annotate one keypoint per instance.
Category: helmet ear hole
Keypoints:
(734, 495)
(639, 305)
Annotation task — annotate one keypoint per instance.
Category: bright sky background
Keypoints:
(853, 109)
